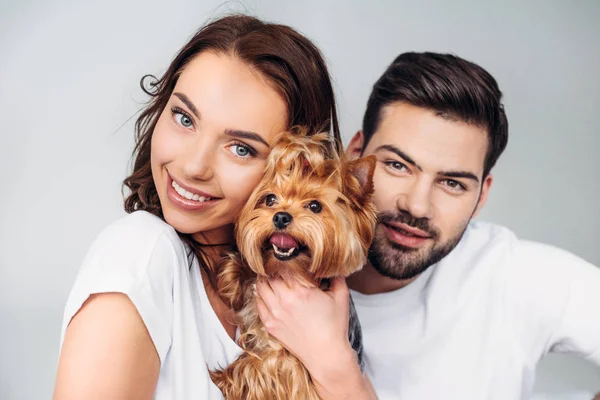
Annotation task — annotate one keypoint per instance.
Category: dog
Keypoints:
(311, 218)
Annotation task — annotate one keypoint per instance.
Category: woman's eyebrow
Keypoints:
(188, 103)
(246, 135)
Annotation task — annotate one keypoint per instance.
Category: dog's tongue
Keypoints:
(283, 241)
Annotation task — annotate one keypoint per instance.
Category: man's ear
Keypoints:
(483, 196)
(355, 147)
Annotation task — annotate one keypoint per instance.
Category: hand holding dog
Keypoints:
(313, 325)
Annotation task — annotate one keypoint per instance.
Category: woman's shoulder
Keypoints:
(139, 255)
(138, 234)
(139, 245)
(135, 228)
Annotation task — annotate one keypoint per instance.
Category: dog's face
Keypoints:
(310, 217)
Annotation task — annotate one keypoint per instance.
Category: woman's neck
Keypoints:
(214, 245)
(218, 237)
(215, 254)
(213, 250)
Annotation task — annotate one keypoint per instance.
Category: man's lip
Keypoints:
(409, 229)
(403, 239)
(190, 189)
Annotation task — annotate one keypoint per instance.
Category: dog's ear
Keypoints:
(358, 177)
(306, 165)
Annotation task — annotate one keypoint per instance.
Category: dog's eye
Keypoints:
(270, 200)
(315, 206)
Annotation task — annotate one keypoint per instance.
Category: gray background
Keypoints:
(69, 75)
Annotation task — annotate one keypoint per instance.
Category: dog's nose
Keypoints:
(281, 220)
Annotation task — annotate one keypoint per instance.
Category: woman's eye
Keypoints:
(182, 119)
(270, 200)
(185, 121)
(240, 150)
(315, 206)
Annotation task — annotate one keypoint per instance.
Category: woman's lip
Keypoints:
(186, 204)
(190, 189)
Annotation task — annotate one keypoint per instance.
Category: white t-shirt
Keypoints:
(475, 325)
(141, 256)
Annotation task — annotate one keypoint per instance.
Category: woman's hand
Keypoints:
(313, 325)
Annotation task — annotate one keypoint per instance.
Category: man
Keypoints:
(451, 308)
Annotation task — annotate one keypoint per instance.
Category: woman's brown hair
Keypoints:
(289, 61)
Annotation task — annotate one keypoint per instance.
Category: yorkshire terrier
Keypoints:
(311, 219)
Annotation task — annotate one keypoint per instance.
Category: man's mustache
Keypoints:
(404, 217)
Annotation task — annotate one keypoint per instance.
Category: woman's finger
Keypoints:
(265, 292)
(263, 312)
(278, 286)
(290, 282)
(339, 290)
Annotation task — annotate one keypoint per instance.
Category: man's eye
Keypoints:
(397, 165)
(454, 185)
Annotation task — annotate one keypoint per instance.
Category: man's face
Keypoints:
(428, 185)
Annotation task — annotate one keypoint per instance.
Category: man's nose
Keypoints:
(417, 200)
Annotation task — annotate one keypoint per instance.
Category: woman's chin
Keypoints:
(184, 223)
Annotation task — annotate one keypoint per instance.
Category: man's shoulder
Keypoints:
(482, 235)
(487, 231)
(481, 238)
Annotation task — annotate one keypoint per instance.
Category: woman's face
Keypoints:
(210, 144)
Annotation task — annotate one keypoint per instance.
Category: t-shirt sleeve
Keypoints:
(553, 298)
(136, 256)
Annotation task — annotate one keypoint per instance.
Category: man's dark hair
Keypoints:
(448, 85)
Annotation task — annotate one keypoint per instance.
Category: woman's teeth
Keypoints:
(188, 195)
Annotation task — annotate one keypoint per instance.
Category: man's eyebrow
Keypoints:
(460, 174)
(400, 153)
(408, 159)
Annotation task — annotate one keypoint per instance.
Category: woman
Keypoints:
(143, 319)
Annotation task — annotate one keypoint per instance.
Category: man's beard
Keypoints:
(399, 262)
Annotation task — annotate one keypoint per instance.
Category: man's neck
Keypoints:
(369, 281)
